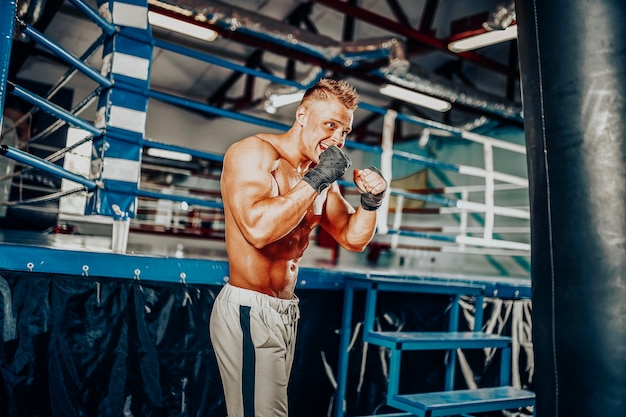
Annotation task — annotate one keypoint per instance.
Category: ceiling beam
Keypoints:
(428, 16)
(399, 14)
(413, 34)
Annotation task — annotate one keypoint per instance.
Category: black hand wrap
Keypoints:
(371, 201)
(333, 163)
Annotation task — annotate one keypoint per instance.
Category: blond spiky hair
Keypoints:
(342, 90)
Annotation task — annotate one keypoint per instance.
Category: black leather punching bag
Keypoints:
(573, 65)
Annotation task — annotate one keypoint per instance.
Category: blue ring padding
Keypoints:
(131, 41)
(127, 98)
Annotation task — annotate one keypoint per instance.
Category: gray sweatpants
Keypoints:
(254, 338)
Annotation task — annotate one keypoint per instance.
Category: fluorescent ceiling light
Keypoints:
(483, 38)
(180, 26)
(164, 153)
(416, 98)
(276, 101)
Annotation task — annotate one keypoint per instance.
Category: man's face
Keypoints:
(325, 124)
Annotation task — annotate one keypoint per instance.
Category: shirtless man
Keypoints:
(276, 189)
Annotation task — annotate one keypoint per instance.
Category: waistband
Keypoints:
(246, 297)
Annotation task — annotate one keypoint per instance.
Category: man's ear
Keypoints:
(300, 115)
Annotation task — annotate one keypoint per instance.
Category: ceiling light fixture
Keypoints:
(468, 41)
(416, 98)
(275, 101)
(180, 26)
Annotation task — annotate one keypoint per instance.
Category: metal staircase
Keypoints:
(448, 402)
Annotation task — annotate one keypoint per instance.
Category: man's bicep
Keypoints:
(245, 182)
(244, 191)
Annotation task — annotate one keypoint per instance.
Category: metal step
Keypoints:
(449, 403)
(436, 340)
(392, 415)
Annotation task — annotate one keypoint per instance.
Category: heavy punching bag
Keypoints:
(573, 75)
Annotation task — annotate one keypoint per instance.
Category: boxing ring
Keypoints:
(106, 311)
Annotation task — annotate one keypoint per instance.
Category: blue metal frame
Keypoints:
(7, 22)
(49, 260)
(77, 109)
(195, 105)
(44, 165)
(94, 16)
(92, 185)
(65, 55)
(372, 283)
(464, 402)
(44, 259)
(55, 110)
(210, 59)
(47, 254)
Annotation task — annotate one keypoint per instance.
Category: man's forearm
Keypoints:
(360, 229)
(271, 219)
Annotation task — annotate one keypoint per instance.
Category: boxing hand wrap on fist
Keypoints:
(371, 201)
(332, 165)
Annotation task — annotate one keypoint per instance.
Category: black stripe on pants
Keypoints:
(248, 365)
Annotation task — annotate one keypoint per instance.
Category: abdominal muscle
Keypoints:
(272, 270)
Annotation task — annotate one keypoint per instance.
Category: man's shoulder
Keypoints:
(254, 143)
(254, 147)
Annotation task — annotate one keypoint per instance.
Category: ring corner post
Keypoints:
(122, 109)
(7, 24)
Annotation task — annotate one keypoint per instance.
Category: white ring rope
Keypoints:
(489, 191)
(463, 206)
(481, 188)
(386, 161)
(441, 129)
(500, 176)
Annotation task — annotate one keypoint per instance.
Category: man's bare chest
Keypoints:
(285, 179)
